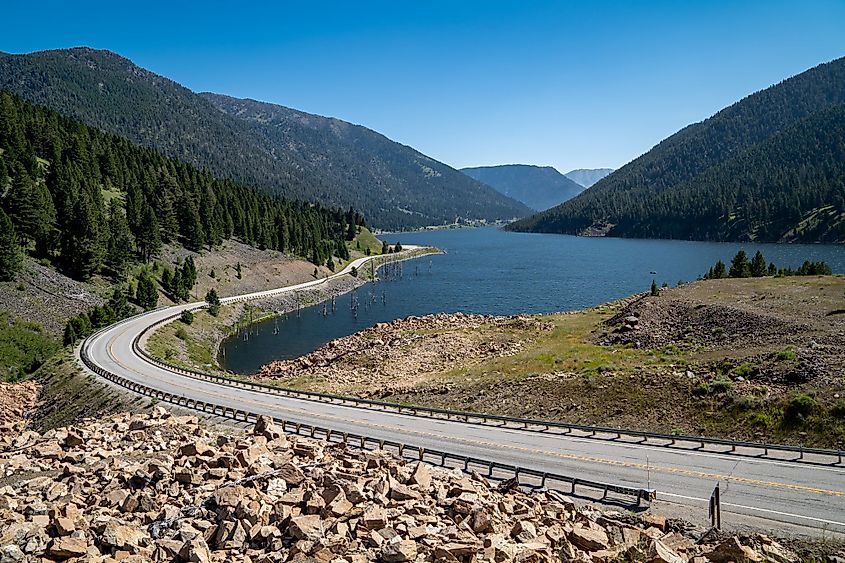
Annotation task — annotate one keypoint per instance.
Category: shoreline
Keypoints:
(221, 329)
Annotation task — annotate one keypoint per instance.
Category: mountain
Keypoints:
(538, 187)
(280, 150)
(588, 176)
(770, 167)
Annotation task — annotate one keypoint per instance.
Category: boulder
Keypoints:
(67, 547)
(308, 527)
(399, 551)
(589, 539)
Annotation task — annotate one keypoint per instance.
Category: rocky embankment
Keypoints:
(17, 400)
(158, 487)
(396, 356)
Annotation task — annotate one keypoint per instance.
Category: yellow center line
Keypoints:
(474, 442)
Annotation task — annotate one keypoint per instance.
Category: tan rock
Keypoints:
(375, 518)
(196, 448)
(589, 539)
(119, 536)
(659, 553)
(731, 550)
(306, 527)
(399, 551)
(195, 551)
(421, 476)
(64, 526)
(67, 547)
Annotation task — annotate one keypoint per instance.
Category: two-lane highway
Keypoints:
(754, 490)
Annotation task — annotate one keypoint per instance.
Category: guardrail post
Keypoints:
(422, 453)
(543, 480)
(381, 444)
(401, 450)
(443, 459)
(345, 438)
(572, 492)
(801, 452)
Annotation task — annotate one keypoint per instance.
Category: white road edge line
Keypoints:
(764, 510)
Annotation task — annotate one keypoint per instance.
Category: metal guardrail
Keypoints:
(473, 417)
(542, 478)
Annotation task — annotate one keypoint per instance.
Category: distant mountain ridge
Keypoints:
(291, 153)
(587, 176)
(770, 167)
(538, 187)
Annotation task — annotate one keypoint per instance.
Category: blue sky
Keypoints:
(568, 84)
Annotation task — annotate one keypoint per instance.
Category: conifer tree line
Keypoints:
(94, 203)
(742, 267)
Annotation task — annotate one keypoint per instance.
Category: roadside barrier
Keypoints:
(524, 476)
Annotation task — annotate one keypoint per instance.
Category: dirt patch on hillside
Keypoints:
(783, 331)
(43, 295)
(260, 269)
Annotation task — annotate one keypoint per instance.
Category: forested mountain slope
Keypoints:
(297, 155)
(93, 202)
(407, 187)
(769, 168)
(538, 187)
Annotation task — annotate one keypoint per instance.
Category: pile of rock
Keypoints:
(162, 488)
(17, 400)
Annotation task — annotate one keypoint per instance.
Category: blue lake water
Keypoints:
(495, 272)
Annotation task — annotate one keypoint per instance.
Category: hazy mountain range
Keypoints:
(588, 176)
(538, 187)
(275, 148)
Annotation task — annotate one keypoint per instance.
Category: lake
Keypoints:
(490, 271)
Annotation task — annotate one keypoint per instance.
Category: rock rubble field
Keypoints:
(159, 487)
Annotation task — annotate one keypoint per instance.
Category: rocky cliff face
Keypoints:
(164, 488)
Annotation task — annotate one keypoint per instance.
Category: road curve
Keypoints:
(775, 493)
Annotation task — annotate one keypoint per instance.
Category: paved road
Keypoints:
(775, 493)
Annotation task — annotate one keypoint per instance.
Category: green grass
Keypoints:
(786, 355)
(365, 239)
(24, 347)
(68, 394)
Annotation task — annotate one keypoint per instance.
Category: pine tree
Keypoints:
(165, 212)
(148, 236)
(719, 270)
(385, 247)
(191, 225)
(82, 246)
(654, 290)
(119, 303)
(146, 294)
(740, 267)
(758, 265)
(21, 205)
(120, 242)
(11, 257)
(70, 337)
(213, 302)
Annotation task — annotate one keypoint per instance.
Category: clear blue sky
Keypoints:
(570, 84)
